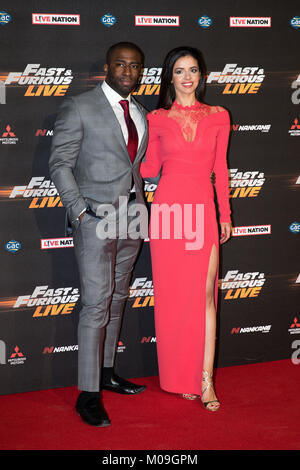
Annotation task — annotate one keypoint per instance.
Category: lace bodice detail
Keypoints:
(190, 142)
(188, 117)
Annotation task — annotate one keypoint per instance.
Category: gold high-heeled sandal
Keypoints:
(212, 405)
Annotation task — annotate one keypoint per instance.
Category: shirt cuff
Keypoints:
(77, 218)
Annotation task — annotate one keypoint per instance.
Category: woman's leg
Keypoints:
(210, 322)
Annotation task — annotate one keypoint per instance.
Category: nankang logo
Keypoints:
(4, 18)
(251, 329)
(108, 20)
(12, 246)
(205, 21)
(295, 22)
(295, 227)
(59, 349)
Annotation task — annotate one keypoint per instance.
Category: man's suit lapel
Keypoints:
(142, 146)
(109, 116)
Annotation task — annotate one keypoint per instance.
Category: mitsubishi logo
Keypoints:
(296, 124)
(17, 353)
(8, 132)
(295, 324)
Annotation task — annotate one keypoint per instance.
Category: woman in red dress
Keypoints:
(187, 140)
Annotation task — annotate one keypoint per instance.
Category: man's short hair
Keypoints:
(124, 45)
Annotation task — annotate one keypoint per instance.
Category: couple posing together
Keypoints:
(104, 144)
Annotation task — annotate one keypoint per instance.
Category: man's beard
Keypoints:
(123, 90)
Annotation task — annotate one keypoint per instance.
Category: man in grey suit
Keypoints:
(99, 139)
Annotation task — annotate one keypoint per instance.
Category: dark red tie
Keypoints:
(132, 132)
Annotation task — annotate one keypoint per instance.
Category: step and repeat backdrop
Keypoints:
(54, 49)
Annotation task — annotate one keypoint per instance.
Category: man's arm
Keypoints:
(66, 143)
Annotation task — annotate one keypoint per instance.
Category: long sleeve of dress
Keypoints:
(221, 170)
(151, 166)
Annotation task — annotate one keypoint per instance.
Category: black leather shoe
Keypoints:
(118, 385)
(92, 411)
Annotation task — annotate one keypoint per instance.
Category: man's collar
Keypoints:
(112, 96)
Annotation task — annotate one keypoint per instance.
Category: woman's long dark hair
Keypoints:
(167, 91)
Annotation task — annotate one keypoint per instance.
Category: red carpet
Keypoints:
(260, 410)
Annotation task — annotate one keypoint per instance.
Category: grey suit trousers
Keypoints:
(105, 268)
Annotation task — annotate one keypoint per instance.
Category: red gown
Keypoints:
(187, 143)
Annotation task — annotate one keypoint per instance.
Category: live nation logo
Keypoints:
(52, 243)
(151, 20)
(56, 19)
(250, 22)
(247, 230)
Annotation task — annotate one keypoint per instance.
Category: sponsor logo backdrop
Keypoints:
(51, 50)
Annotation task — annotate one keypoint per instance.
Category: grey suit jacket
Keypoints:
(89, 162)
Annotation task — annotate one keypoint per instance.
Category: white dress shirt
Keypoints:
(114, 98)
